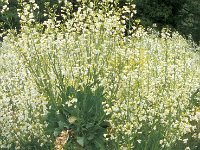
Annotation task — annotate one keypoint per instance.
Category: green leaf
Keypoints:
(61, 124)
(89, 125)
(99, 143)
(91, 137)
(56, 132)
(80, 141)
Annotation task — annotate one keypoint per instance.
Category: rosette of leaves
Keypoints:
(85, 118)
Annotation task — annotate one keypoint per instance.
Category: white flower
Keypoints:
(198, 115)
(72, 119)
(32, 1)
(187, 148)
(161, 142)
(74, 100)
(185, 141)
(139, 141)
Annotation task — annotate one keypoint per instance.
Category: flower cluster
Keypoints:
(22, 107)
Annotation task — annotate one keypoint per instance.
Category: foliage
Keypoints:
(83, 115)
(162, 12)
(8, 15)
(85, 77)
(181, 15)
(189, 22)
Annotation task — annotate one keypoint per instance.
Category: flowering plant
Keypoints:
(85, 81)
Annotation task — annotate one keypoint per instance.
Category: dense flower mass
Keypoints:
(145, 81)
